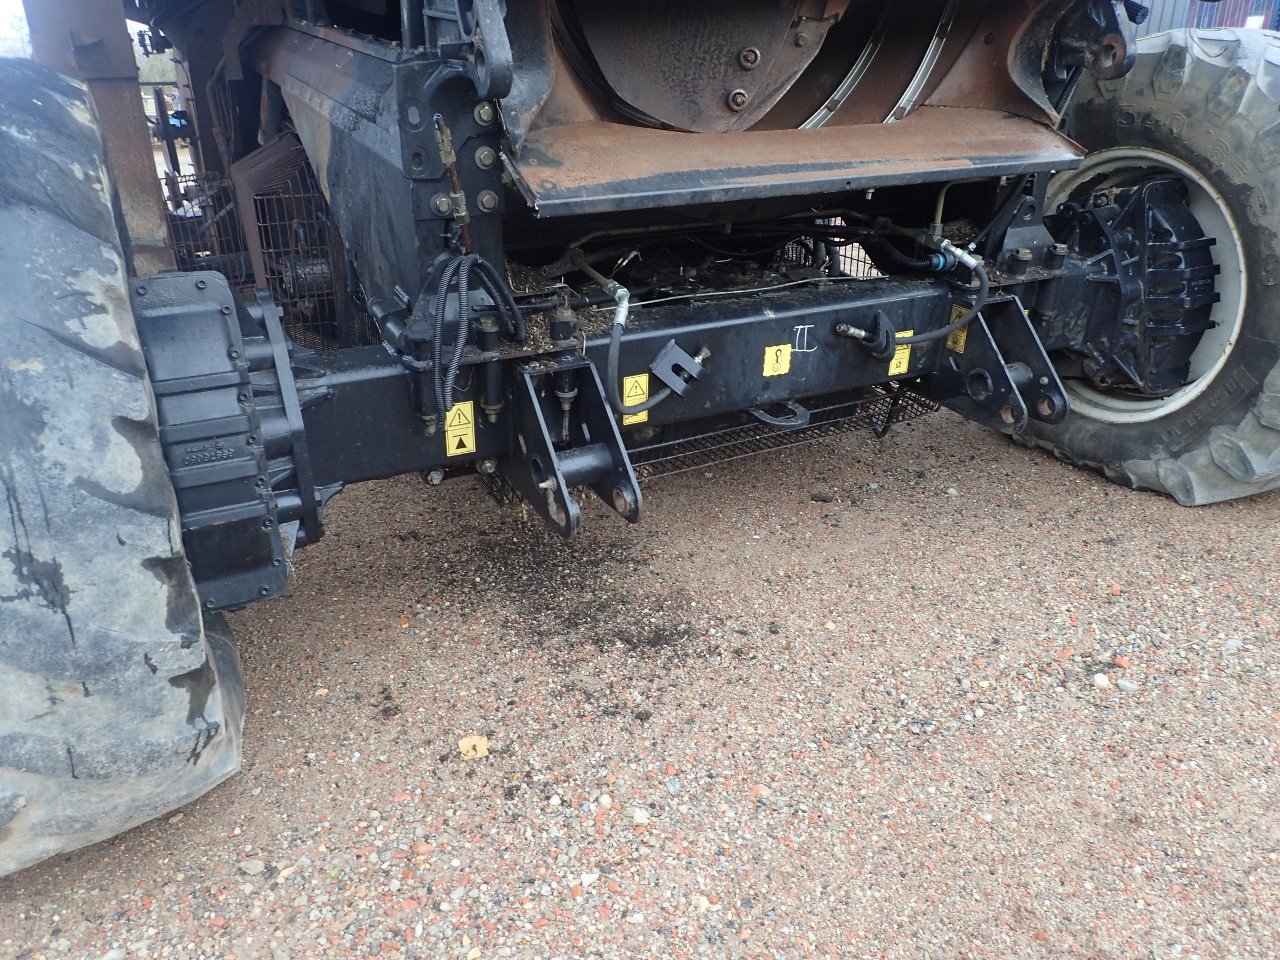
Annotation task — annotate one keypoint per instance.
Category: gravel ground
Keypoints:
(927, 696)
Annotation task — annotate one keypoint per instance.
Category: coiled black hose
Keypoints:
(460, 271)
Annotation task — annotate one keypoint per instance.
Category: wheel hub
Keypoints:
(1151, 277)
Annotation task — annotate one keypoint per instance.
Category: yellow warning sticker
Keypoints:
(777, 360)
(901, 361)
(460, 429)
(635, 390)
(957, 340)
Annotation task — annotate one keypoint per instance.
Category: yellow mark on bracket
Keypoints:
(901, 361)
(777, 360)
(957, 340)
(460, 429)
(635, 390)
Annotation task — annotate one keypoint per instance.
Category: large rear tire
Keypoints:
(1201, 105)
(116, 704)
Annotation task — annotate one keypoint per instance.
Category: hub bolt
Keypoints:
(738, 100)
(749, 58)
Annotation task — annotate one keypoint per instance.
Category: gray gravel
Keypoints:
(840, 703)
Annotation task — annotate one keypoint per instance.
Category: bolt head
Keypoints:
(487, 201)
(486, 157)
(749, 58)
(442, 204)
(738, 100)
(485, 114)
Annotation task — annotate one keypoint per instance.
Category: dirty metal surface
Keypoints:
(597, 167)
(684, 64)
(88, 40)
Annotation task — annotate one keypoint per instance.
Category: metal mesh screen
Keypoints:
(305, 266)
(204, 226)
(880, 409)
(851, 260)
(854, 261)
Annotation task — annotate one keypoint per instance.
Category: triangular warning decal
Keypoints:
(636, 389)
(461, 444)
(458, 417)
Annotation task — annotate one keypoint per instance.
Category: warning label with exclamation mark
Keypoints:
(635, 390)
(460, 429)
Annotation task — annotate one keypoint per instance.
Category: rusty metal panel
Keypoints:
(602, 167)
(88, 40)
(690, 65)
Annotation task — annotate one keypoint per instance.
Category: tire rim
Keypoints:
(1123, 165)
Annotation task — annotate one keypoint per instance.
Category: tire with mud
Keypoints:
(1202, 105)
(116, 703)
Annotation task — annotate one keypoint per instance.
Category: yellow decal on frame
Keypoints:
(901, 361)
(635, 390)
(460, 429)
(777, 360)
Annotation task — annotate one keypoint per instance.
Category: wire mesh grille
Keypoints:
(204, 226)
(854, 262)
(306, 267)
(877, 411)
(851, 259)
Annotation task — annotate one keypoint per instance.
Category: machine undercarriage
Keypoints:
(581, 251)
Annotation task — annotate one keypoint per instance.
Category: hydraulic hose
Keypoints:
(984, 288)
(933, 263)
(464, 330)
(622, 297)
(461, 270)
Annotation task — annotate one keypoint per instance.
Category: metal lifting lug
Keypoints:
(473, 33)
(548, 462)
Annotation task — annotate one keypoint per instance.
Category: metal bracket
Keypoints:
(669, 365)
(473, 33)
(312, 524)
(1043, 392)
(544, 469)
(975, 381)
